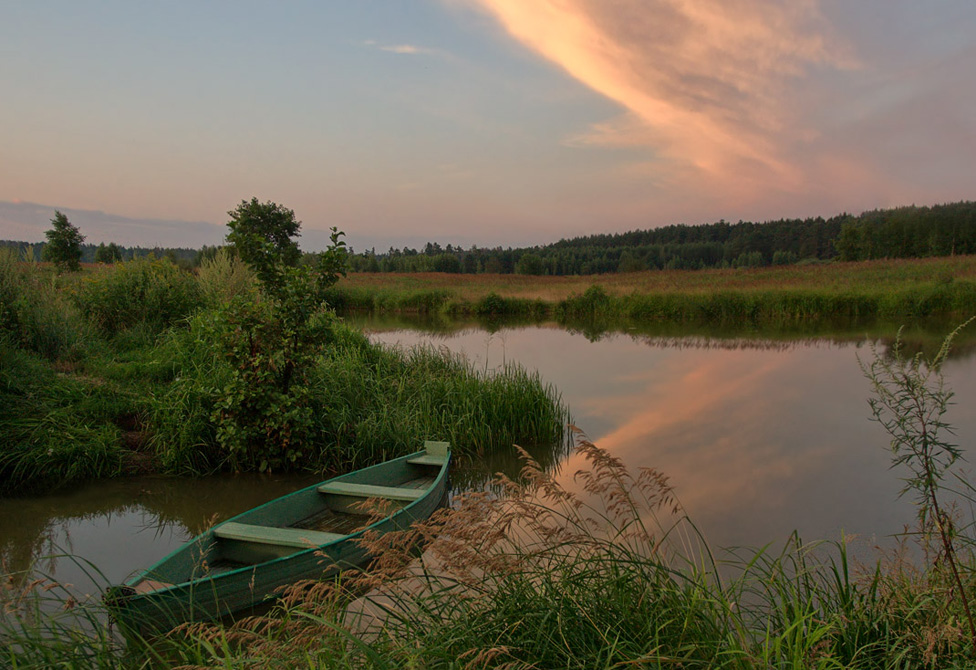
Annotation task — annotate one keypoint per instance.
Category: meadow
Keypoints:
(816, 293)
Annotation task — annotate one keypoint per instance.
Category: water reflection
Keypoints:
(921, 337)
(120, 525)
(759, 437)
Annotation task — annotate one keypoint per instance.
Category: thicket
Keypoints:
(144, 366)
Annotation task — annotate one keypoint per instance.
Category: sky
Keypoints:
(478, 122)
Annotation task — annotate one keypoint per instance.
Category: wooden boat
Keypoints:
(311, 533)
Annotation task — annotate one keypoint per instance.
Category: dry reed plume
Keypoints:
(474, 551)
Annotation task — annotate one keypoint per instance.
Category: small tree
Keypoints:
(63, 246)
(263, 414)
(261, 233)
(108, 254)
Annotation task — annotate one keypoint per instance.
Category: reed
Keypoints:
(808, 295)
(609, 574)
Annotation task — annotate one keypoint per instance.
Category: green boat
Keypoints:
(312, 533)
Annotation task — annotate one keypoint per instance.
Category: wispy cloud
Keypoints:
(705, 83)
(405, 49)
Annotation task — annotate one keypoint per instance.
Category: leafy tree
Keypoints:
(261, 233)
(264, 419)
(108, 254)
(63, 246)
(447, 263)
(530, 264)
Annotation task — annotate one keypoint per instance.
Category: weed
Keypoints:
(910, 400)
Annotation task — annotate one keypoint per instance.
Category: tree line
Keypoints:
(902, 232)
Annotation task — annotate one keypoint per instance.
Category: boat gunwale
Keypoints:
(227, 575)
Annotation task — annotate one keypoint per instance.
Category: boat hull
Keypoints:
(194, 583)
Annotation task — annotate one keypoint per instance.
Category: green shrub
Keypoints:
(34, 314)
(224, 276)
(143, 291)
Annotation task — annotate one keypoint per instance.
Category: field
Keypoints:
(799, 299)
(866, 275)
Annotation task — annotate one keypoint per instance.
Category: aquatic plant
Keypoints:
(910, 401)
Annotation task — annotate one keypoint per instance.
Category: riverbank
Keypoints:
(615, 575)
(141, 367)
(813, 294)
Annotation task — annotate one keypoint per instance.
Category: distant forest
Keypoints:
(92, 253)
(903, 232)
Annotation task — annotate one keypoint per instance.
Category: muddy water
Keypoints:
(759, 439)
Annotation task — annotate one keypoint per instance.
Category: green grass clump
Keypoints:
(56, 429)
(378, 402)
(34, 314)
(149, 292)
(369, 403)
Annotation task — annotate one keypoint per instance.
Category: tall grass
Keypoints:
(610, 574)
(34, 314)
(378, 401)
(145, 291)
(56, 430)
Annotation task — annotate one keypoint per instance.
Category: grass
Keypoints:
(607, 574)
(815, 294)
(837, 276)
(119, 369)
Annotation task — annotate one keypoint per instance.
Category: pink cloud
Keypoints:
(704, 83)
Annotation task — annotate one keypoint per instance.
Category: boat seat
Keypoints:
(436, 454)
(372, 491)
(150, 585)
(282, 537)
(428, 459)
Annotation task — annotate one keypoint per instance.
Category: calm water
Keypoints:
(759, 439)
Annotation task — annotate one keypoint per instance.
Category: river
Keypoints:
(760, 438)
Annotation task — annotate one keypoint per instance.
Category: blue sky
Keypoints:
(485, 122)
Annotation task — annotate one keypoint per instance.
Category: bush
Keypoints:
(33, 314)
(223, 276)
(143, 291)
